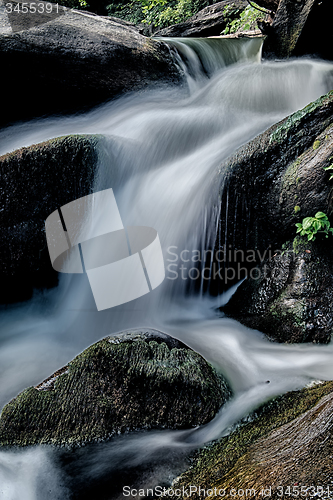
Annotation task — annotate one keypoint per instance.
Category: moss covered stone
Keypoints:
(286, 441)
(292, 301)
(35, 181)
(139, 379)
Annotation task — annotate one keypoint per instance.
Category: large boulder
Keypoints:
(139, 379)
(291, 298)
(285, 443)
(300, 28)
(210, 21)
(35, 181)
(68, 60)
(271, 184)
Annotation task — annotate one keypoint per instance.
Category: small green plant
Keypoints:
(238, 19)
(311, 226)
(330, 167)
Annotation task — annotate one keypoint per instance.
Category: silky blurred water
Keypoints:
(161, 154)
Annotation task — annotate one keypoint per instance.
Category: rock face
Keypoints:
(291, 301)
(139, 379)
(300, 28)
(272, 183)
(68, 60)
(278, 170)
(288, 442)
(35, 181)
(208, 22)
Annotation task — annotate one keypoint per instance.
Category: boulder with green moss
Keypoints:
(272, 183)
(286, 442)
(292, 299)
(279, 170)
(35, 181)
(139, 379)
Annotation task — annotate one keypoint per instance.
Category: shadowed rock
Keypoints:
(272, 183)
(292, 300)
(140, 379)
(288, 442)
(70, 60)
(300, 28)
(35, 181)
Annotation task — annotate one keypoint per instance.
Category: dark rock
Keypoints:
(291, 301)
(140, 379)
(286, 442)
(299, 28)
(272, 183)
(210, 21)
(70, 60)
(270, 5)
(35, 181)
(278, 170)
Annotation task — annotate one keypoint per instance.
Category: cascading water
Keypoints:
(161, 154)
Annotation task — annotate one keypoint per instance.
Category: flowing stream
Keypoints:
(161, 154)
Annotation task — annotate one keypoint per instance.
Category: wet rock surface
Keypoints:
(72, 60)
(292, 299)
(35, 181)
(272, 183)
(139, 379)
(287, 441)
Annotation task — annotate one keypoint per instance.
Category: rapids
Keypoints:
(161, 154)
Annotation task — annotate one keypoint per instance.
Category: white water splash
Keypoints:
(161, 156)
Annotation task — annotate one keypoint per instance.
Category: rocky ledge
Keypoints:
(70, 60)
(286, 442)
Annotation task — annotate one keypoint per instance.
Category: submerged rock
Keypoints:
(300, 28)
(68, 60)
(139, 379)
(35, 181)
(286, 442)
(210, 21)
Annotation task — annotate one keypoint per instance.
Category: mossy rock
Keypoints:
(138, 379)
(292, 300)
(287, 441)
(35, 181)
(272, 183)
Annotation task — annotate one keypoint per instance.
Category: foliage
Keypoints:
(310, 226)
(75, 4)
(160, 13)
(330, 167)
(240, 19)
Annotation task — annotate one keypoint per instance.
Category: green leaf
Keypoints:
(310, 237)
(320, 215)
(330, 167)
(317, 225)
(307, 222)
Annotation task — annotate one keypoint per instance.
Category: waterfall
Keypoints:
(160, 154)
